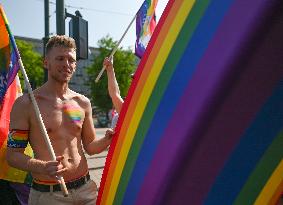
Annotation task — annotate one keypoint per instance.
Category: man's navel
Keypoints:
(70, 160)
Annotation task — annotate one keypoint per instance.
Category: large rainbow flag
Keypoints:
(10, 89)
(203, 120)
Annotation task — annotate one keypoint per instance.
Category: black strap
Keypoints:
(70, 185)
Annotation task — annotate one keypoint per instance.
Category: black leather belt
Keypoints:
(56, 187)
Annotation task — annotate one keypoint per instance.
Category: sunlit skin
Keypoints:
(61, 64)
(113, 87)
(67, 116)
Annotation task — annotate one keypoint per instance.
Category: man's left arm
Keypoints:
(91, 143)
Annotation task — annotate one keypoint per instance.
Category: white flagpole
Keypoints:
(41, 125)
(115, 48)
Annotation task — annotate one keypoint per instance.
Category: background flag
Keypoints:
(10, 89)
(9, 65)
(145, 25)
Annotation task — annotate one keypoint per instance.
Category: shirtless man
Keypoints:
(67, 116)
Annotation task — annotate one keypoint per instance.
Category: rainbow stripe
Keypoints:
(18, 138)
(74, 112)
(21, 135)
(203, 119)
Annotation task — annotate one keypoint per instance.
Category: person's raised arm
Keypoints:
(113, 87)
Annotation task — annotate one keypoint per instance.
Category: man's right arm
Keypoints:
(19, 129)
(19, 126)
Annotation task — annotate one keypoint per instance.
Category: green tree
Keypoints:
(124, 65)
(32, 62)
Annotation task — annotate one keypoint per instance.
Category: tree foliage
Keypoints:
(124, 65)
(32, 62)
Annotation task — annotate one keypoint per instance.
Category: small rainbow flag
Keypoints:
(74, 112)
(10, 89)
(203, 119)
(145, 25)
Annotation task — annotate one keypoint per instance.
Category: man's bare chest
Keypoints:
(62, 116)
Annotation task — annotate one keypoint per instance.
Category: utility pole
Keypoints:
(78, 28)
(60, 17)
(46, 31)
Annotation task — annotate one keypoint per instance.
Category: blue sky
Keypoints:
(26, 17)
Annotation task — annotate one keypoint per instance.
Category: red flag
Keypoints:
(5, 110)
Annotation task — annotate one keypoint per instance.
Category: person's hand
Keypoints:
(108, 63)
(109, 134)
(54, 168)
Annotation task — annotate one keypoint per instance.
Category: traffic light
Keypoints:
(78, 30)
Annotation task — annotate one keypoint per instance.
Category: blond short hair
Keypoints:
(60, 40)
